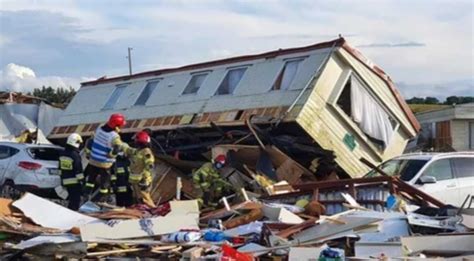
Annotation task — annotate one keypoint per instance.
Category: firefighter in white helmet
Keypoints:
(70, 169)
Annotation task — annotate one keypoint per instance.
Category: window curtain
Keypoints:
(368, 114)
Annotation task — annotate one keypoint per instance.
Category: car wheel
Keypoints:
(9, 191)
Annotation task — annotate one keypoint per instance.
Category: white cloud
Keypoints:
(19, 78)
(430, 41)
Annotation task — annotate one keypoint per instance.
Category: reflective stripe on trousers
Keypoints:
(69, 181)
(122, 189)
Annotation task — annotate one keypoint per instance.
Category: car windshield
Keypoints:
(44, 153)
(406, 169)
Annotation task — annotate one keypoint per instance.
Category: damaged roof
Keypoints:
(162, 98)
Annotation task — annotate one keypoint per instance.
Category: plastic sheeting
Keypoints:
(370, 116)
(15, 118)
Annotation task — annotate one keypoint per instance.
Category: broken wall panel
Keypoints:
(164, 184)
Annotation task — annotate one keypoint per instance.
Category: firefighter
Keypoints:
(103, 148)
(208, 179)
(120, 176)
(142, 163)
(70, 169)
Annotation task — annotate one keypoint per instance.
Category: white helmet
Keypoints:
(74, 140)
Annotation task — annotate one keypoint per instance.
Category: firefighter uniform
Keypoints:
(141, 168)
(103, 148)
(208, 179)
(120, 176)
(70, 169)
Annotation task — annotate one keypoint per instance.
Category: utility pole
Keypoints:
(130, 60)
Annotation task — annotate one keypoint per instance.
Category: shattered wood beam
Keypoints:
(414, 191)
(372, 166)
(249, 124)
(112, 252)
(287, 232)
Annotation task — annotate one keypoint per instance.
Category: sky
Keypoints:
(426, 46)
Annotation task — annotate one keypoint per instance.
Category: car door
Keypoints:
(464, 172)
(445, 188)
(6, 153)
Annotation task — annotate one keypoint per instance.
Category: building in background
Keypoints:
(327, 93)
(20, 113)
(447, 129)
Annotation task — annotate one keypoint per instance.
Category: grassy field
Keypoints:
(417, 108)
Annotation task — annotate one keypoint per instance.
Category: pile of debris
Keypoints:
(330, 220)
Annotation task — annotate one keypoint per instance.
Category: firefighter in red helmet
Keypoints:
(208, 179)
(142, 163)
(102, 149)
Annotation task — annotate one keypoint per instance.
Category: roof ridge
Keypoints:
(322, 45)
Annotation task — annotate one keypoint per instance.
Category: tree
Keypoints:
(416, 100)
(458, 100)
(54, 95)
(431, 100)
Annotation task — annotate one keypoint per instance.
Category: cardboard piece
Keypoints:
(6, 207)
(40, 210)
(280, 214)
(184, 207)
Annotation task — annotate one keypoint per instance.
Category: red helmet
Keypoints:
(116, 120)
(220, 159)
(142, 137)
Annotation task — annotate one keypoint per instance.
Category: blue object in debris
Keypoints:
(391, 202)
(147, 226)
(328, 253)
(214, 236)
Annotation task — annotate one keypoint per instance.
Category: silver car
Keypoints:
(28, 167)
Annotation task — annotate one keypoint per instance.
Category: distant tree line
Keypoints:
(433, 100)
(59, 95)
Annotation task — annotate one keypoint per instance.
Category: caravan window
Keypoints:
(363, 109)
(115, 96)
(195, 83)
(146, 93)
(286, 75)
(231, 80)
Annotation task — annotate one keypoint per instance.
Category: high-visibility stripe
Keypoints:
(121, 170)
(113, 177)
(135, 176)
(90, 185)
(69, 181)
(122, 189)
(103, 191)
(149, 161)
(102, 146)
(80, 176)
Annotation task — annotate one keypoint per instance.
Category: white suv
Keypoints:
(449, 177)
(29, 167)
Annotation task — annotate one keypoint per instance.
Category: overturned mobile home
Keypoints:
(327, 98)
